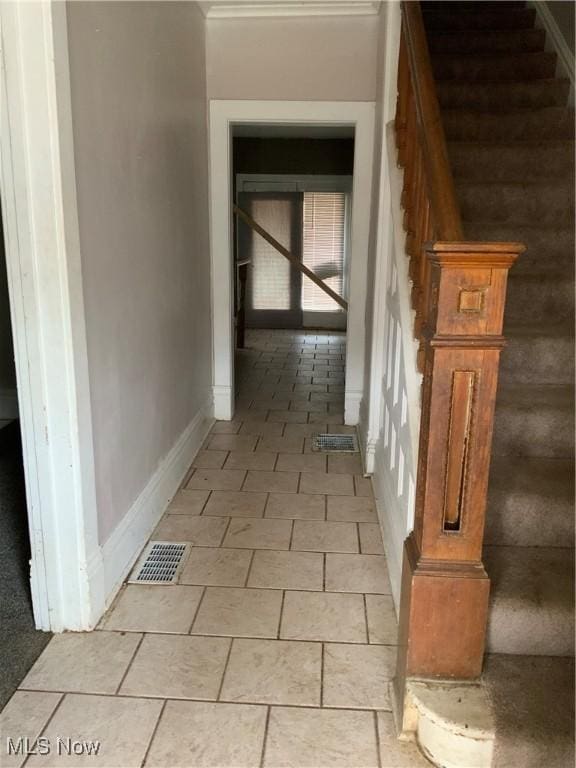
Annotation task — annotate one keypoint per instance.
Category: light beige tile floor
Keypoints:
(277, 645)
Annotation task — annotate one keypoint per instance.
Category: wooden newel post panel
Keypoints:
(445, 588)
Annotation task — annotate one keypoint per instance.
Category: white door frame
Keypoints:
(223, 115)
(38, 192)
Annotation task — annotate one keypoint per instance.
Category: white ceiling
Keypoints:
(224, 9)
(277, 131)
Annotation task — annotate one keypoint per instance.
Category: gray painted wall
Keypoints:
(138, 83)
(301, 58)
(563, 12)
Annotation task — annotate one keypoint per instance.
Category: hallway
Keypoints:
(279, 637)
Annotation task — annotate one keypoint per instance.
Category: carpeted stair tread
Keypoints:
(529, 161)
(534, 420)
(531, 600)
(549, 297)
(509, 125)
(487, 41)
(500, 66)
(550, 202)
(533, 703)
(525, 94)
(479, 18)
(472, 5)
(535, 355)
(548, 248)
(531, 503)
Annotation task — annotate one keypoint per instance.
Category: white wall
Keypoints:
(138, 87)
(297, 59)
(391, 405)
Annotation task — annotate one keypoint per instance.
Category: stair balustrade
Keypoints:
(458, 294)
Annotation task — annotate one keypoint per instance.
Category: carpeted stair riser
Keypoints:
(537, 358)
(528, 94)
(530, 503)
(482, 67)
(533, 700)
(522, 18)
(549, 203)
(549, 250)
(440, 6)
(487, 41)
(534, 421)
(547, 297)
(540, 125)
(532, 600)
(529, 162)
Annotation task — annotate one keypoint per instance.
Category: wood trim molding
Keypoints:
(250, 9)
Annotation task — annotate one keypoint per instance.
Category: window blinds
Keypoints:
(323, 248)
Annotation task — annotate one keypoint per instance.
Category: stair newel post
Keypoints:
(445, 588)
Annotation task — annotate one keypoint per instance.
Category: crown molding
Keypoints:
(250, 9)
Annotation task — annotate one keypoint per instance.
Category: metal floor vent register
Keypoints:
(160, 563)
(335, 443)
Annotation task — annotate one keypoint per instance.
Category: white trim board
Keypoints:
(291, 182)
(224, 114)
(38, 189)
(248, 9)
(121, 550)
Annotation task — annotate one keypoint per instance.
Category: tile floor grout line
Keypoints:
(291, 536)
(248, 572)
(322, 651)
(366, 618)
(252, 589)
(47, 723)
(153, 734)
(281, 614)
(324, 572)
(378, 745)
(203, 510)
(224, 670)
(358, 538)
(131, 661)
(226, 529)
(265, 739)
(196, 699)
(205, 589)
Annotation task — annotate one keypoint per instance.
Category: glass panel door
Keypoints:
(274, 286)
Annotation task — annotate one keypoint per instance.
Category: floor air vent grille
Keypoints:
(335, 443)
(160, 563)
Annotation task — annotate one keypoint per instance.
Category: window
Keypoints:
(270, 270)
(323, 248)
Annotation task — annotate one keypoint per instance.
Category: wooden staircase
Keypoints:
(486, 140)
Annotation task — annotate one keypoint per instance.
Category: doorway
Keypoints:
(20, 642)
(358, 119)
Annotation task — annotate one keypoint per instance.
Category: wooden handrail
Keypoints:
(247, 219)
(440, 184)
(458, 294)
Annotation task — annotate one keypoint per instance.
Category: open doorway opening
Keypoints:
(295, 182)
(20, 642)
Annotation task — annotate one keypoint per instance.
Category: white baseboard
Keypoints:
(120, 551)
(223, 402)
(352, 404)
(392, 523)
(8, 404)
